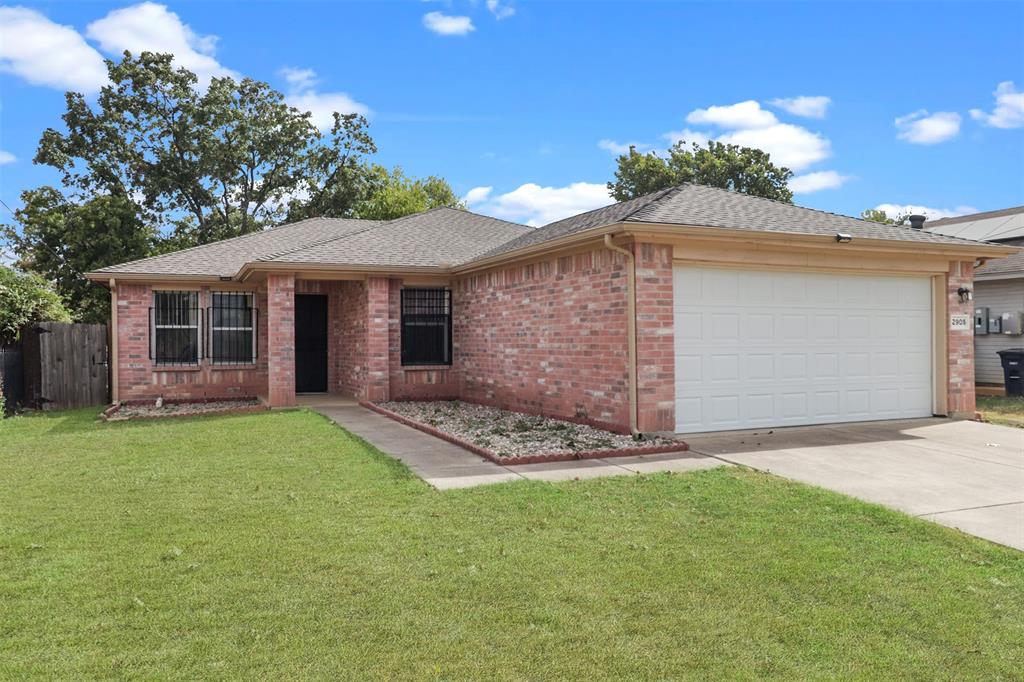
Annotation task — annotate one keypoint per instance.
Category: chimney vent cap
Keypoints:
(917, 221)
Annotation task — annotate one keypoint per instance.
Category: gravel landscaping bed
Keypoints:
(179, 409)
(512, 434)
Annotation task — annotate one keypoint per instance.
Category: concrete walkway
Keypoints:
(445, 466)
(962, 474)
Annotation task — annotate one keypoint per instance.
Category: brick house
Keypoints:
(689, 309)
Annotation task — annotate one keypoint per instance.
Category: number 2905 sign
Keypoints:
(960, 322)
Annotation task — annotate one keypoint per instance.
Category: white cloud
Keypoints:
(6, 158)
(45, 53)
(921, 127)
(788, 145)
(619, 148)
(448, 25)
(152, 27)
(741, 115)
(1009, 111)
(810, 107)
(815, 182)
(477, 195)
(499, 10)
(536, 205)
(893, 210)
(303, 96)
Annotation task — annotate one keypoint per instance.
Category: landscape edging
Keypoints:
(524, 459)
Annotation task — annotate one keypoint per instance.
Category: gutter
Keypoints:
(630, 330)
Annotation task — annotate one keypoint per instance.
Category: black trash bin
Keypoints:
(1013, 361)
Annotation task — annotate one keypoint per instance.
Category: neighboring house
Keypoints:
(998, 287)
(689, 309)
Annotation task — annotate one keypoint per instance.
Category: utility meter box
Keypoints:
(981, 321)
(1013, 323)
(995, 324)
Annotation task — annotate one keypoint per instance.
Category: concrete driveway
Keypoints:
(962, 474)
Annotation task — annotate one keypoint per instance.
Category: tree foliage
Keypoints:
(62, 241)
(728, 166)
(206, 164)
(392, 194)
(879, 216)
(26, 298)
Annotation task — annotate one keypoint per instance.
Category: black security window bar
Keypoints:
(174, 328)
(426, 327)
(231, 322)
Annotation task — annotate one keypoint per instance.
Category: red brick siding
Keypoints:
(548, 337)
(414, 383)
(655, 328)
(139, 378)
(348, 336)
(281, 341)
(377, 314)
(960, 344)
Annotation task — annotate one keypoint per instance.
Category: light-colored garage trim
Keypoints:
(940, 346)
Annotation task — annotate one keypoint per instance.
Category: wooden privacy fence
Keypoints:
(66, 365)
(12, 376)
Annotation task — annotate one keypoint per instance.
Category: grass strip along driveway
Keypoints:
(276, 545)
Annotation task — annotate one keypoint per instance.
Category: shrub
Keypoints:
(26, 298)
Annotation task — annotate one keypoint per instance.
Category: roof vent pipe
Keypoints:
(917, 221)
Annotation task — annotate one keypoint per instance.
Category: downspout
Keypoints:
(113, 358)
(630, 330)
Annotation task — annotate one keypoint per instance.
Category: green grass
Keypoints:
(277, 546)
(1005, 410)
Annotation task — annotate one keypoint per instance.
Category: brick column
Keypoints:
(655, 336)
(377, 314)
(960, 344)
(281, 339)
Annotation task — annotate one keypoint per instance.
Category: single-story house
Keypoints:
(688, 309)
(998, 287)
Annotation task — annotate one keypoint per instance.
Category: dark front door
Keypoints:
(310, 343)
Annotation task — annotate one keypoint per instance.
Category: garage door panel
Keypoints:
(759, 348)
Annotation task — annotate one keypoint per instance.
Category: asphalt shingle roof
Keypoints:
(439, 237)
(702, 206)
(224, 258)
(445, 237)
(1011, 265)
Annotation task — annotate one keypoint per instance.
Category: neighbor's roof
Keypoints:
(442, 236)
(1002, 268)
(702, 206)
(1007, 223)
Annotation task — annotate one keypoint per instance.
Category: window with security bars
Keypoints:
(231, 328)
(174, 328)
(426, 327)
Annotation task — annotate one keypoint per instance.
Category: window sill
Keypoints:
(423, 368)
(217, 367)
(176, 368)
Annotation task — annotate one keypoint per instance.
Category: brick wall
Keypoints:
(655, 351)
(281, 339)
(139, 378)
(439, 382)
(548, 337)
(348, 336)
(960, 344)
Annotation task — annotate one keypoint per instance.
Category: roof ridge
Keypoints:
(277, 254)
(224, 241)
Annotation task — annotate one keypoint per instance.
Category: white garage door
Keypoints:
(773, 348)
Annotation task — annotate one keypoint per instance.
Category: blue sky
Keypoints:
(521, 105)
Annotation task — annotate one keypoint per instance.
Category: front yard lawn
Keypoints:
(1005, 410)
(277, 546)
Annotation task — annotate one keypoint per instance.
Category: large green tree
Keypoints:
(62, 240)
(392, 194)
(26, 298)
(207, 164)
(728, 166)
